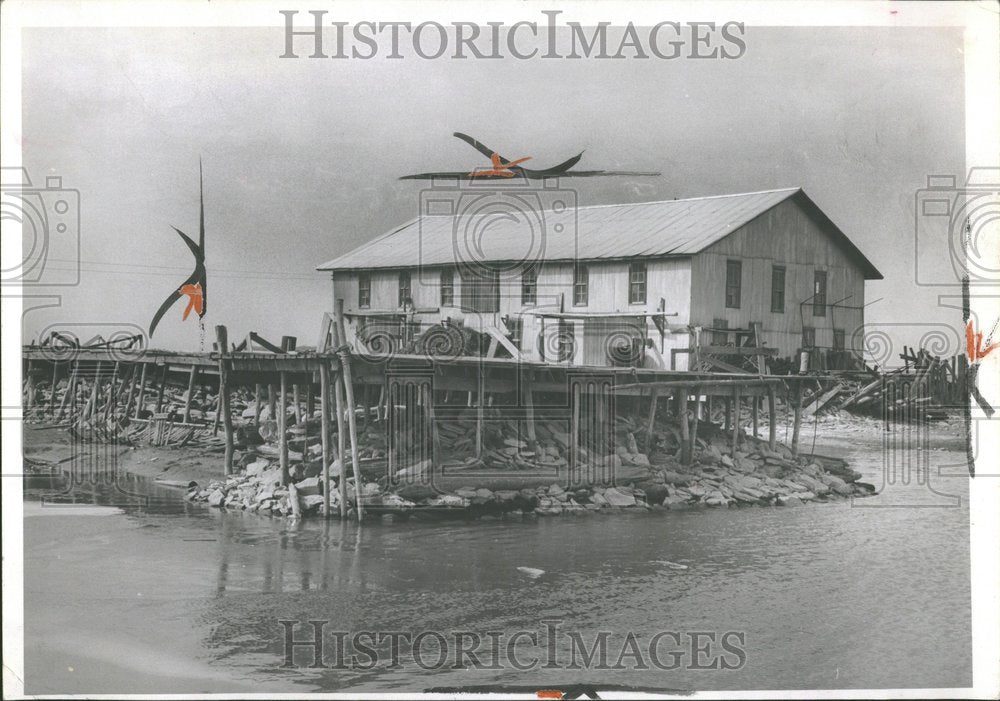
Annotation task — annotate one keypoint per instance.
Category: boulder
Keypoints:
(789, 501)
(416, 492)
(309, 486)
(619, 498)
(216, 498)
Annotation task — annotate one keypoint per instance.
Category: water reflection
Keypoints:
(828, 596)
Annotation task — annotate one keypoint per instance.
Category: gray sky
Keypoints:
(302, 156)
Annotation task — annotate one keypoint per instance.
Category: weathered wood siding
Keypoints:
(669, 279)
(785, 235)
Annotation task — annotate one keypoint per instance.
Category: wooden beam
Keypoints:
(772, 420)
(283, 430)
(324, 408)
(651, 417)
(345, 364)
(190, 393)
(142, 391)
(222, 406)
(682, 405)
(797, 421)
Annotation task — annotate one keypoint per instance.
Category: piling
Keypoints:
(736, 417)
(283, 429)
(142, 390)
(797, 421)
(192, 375)
(324, 408)
(772, 420)
(347, 381)
(223, 405)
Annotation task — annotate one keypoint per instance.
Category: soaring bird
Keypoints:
(196, 285)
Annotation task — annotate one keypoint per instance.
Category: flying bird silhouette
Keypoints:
(505, 168)
(196, 285)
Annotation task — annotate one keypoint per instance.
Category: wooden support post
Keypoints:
(729, 416)
(68, 395)
(55, 381)
(283, 429)
(192, 375)
(736, 418)
(112, 391)
(772, 419)
(163, 388)
(142, 391)
(682, 409)
(133, 388)
(347, 381)
(480, 408)
(694, 421)
(310, 401)
(295, 401)
(257, 391)
(432, 424)
(651, 419)
(223, 405)
(338, 393)
(574, 433)
(29, 401)
(797, 421)
(272, 406)
(90, 410)
(753, 413)
(324, 408)
(529, 411)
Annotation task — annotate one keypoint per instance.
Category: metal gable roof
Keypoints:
(653, 229)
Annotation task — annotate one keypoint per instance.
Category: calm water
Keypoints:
(174, 597)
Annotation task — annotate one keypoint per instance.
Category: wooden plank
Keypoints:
(738, 350)
(223, 406)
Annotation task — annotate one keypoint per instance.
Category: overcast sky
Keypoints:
(302, 156)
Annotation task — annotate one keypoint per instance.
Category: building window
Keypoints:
(819, 293)
(808, 337)
(581, 285)
(447, 287)
(778, 289)
(734, 280)
(516, 327)
(838, 339)
(480, 290)
(566, 340)
(637, 283)
(529, 285)
(364, 290)
(404, 287)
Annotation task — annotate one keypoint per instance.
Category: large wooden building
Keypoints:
(655, 284)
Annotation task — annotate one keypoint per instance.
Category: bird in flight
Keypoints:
(505, 168)
(195, 286)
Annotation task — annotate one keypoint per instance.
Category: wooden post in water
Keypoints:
(324, 408)
(256, 403)
(729, 415)
(132, 388)
(223, 407)
(112, 391)
(272, 406)
(192, 375)
(283, 429)
(90, 410)
(142, 390)
(295, 401)
(310, 401)
(338, 395)
(772, 419)
(753, 413)
(348, 383)
(574, 432)
(432, 424)
(797, 421)
(736, 417)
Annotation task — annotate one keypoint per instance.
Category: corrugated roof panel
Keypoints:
(670, 228)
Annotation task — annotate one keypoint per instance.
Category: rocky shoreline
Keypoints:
(716, 478)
